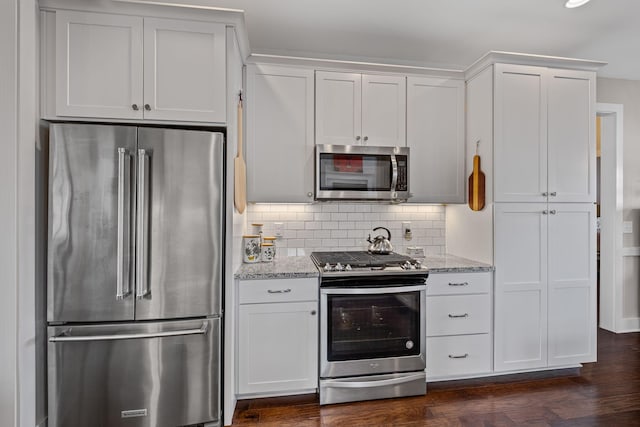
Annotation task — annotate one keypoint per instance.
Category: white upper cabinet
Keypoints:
(127, 67)
(544, 144)
(571, 136)
(520, 140)
(362, 109)
(98, 65)
(184, 70)
(280, 143)
(435, 136)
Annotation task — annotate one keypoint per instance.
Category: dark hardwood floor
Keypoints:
(606, 393)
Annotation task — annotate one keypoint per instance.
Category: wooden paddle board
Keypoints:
(240, 169)
(476, 186)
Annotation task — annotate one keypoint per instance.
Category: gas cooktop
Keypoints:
(362, 262)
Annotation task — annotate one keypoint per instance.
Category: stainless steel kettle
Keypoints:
(380, 244)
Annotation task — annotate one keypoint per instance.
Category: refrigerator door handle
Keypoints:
(123, 287)
(64, 337)
(142, 227)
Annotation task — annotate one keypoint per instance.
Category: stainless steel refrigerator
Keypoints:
(135, 259)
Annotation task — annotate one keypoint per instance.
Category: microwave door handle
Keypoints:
(142, 227)
(394, 173)
(124, 210)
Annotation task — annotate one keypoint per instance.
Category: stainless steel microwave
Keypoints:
(360, 172)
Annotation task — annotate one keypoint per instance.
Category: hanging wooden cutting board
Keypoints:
(240, 169)
(476, 186)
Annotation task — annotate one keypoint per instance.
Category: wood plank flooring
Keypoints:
(606, 393)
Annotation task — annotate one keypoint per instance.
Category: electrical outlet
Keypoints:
(406, 230)
(278, 229)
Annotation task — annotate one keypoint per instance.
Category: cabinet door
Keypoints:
(435, 135)
(572, 283)
(338, 108)
(279, 134)
(520, 140)
(384, 106)
(98, 65)
(278, 347)
(520, 286)
(571, 135)
(184, 70)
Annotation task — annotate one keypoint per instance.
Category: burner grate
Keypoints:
(359, 259)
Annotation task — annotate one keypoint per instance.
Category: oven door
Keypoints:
(375, 330)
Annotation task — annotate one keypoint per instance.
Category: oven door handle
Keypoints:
(368, 291)
(379, 383)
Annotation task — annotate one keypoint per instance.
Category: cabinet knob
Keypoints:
(147, 107)
(544, 212)
(313, 312)
(553, 194)
(358, 138)
(309, 194)
(552, 211)
(366, 138)
(545, 194)
(135, 107)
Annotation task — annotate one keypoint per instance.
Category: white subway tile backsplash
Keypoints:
(339, 216)
(345, 226)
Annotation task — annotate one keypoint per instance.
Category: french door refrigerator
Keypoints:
(135, 258)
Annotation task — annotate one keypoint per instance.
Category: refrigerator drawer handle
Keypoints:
(371, 384)
(142, 285)
(64, 338)
(124, 211)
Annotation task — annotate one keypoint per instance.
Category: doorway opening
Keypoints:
(610, 215)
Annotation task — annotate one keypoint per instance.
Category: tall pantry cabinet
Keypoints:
(542, 169)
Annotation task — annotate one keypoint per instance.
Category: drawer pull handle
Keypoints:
(459, 284)
(279, 291)
(458, 316)
(461, 356)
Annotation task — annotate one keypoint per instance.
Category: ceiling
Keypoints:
(444, 33)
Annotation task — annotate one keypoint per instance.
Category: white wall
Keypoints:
(345, 226)
(627, 93)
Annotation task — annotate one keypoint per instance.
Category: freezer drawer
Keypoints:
(150, 374)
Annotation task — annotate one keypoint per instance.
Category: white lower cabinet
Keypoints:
(545, 310)
(278, 336)
(458, 356)
(459, 333)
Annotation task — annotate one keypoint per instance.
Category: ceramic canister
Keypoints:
(251, 248)
(267, 252)
(272, 240)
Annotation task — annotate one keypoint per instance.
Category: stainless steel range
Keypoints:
(372, 326)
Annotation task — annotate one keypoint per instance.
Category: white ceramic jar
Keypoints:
(251, 248)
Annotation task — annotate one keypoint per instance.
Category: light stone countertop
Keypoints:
(453, 264)
(302, 266)
(280, 268)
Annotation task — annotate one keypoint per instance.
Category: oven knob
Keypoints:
(327, 267)
(417, 264)
(347, 267)
(409, 344)
(339, 267)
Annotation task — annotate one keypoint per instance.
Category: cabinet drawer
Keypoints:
(458, 283)
(458, 314)
(278, 290)
(458, 356)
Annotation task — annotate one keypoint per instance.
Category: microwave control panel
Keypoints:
(403, 169)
